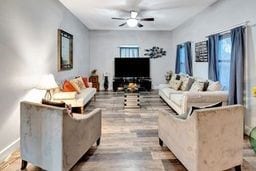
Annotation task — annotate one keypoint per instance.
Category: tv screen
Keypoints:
(132, 67)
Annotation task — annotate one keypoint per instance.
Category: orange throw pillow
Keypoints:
(67, 86)
(85, 82)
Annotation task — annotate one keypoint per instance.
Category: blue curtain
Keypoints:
(236, 87)
(188, 58)
(213, 48)
(177, 66)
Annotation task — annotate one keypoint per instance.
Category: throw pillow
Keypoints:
(75, 84)
(186, 83)
(51, 103)
(80, 82)
(193, 108)
(214, 86)
(197, 86)
(69, 110)
(86, 83)
(67, 87)
(176, 84)
(206, 84)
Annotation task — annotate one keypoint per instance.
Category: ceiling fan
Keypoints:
(133, 20)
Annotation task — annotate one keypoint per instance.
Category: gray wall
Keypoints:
(219, 16)
(104, 47)
(28, 46)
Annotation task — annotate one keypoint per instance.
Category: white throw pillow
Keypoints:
(214, 86)
(197, 86)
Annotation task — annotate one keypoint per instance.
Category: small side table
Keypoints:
(95, 82)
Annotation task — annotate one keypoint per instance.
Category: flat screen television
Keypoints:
(132, 67)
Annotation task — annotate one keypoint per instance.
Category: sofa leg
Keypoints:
(161, 143)
(238, 168)
(98, 142)
(23, 164)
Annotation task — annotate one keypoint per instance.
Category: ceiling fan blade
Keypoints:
(147, 19)
(139, 25)
(122, 24)
(118, 18)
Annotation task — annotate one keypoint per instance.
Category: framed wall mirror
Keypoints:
(65, 50)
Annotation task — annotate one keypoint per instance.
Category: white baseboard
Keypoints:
(7, 151)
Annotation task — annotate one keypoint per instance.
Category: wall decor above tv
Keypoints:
(155, 52)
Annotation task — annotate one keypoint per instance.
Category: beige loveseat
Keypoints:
(75, 99)
(208, 140)
(52, 139)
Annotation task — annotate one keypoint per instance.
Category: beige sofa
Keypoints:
(210, 139)
(75, 99)
(53, 140)
(181, 101)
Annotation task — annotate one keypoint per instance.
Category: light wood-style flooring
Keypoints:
(129, 140)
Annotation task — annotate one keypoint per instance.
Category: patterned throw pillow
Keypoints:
(75, 84)
(197, 86)
(172, 79)
(214, 86)
(186, 83)
(176, 84)
(80, 82)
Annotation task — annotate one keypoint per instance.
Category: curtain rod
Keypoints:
(229, 28)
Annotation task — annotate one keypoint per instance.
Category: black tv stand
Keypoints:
(143, 82)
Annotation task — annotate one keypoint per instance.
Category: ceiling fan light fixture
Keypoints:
(132, 22)
(134, 14)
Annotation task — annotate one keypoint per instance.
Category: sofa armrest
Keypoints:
(206, 96)
(81, 117)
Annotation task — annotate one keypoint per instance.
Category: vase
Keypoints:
(106, 83)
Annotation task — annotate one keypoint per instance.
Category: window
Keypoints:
(182, 60)
(224, 57)
(129, 51)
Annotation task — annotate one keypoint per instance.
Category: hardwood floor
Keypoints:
(129, 140)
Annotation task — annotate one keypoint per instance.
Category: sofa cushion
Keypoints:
(64, 95)
(168, 91)
(177, 98)
(86, 95)
(214, 86)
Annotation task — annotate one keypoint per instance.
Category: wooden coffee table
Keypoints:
(131, 99)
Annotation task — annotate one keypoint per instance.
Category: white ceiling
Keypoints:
(168, 14)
